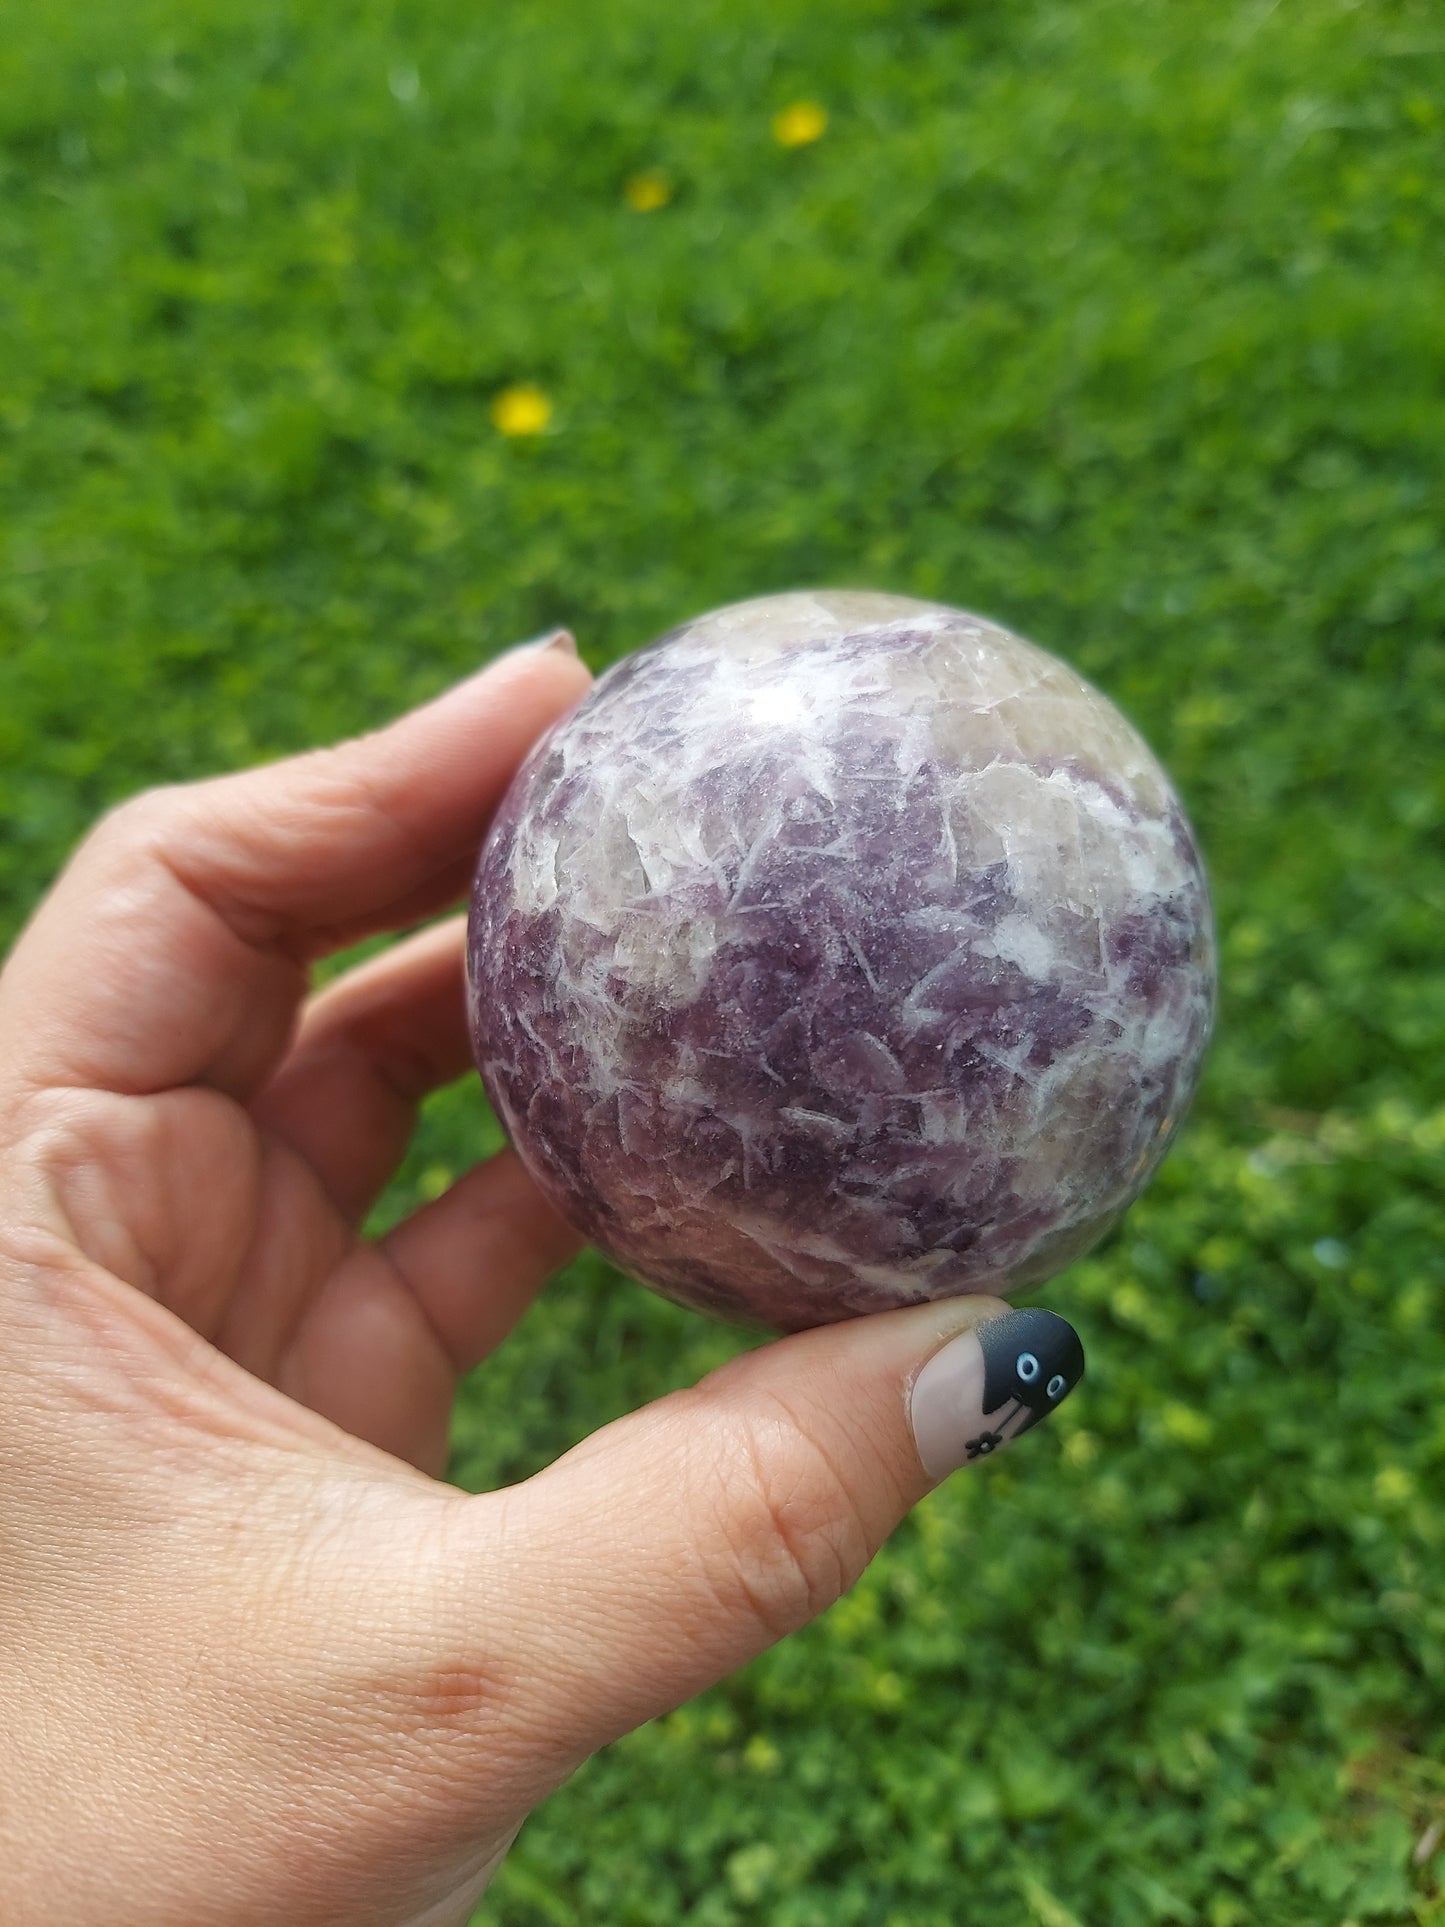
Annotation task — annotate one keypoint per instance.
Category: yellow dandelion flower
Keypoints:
(1393, 1484)
(522, 410)
(648, 191)
(799, 124)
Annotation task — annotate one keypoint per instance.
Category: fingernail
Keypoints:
(988, 1385)
(562, 640)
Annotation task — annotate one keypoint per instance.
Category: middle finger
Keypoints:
(368, 1049)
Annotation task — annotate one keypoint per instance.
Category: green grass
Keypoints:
(1120, 320)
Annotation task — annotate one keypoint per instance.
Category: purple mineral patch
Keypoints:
(840, 951)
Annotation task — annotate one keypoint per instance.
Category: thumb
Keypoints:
(681, 1541)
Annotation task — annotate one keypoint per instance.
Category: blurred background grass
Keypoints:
(1122, 321)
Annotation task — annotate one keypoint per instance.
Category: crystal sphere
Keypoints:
(838, 952)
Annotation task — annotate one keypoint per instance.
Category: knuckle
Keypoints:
(145, 810)
(138, 822)
(790, 1535)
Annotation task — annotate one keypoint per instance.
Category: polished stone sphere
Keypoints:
(840, 951)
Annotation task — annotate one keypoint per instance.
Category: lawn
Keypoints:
(1122, 321)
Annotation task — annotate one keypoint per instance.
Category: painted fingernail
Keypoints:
(988, 1385)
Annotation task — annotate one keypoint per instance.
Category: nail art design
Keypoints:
(990, 1385)
(1032, 1360)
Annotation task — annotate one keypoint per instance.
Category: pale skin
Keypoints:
(259, 1665)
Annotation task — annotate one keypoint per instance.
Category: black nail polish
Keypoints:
(1032, 1360)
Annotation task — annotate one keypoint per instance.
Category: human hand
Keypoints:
(257, 1664)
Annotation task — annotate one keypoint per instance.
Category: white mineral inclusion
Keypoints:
(840, 951)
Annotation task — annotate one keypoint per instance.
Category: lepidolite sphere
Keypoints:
(840, 951)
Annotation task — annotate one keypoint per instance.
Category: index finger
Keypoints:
(174, 947)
